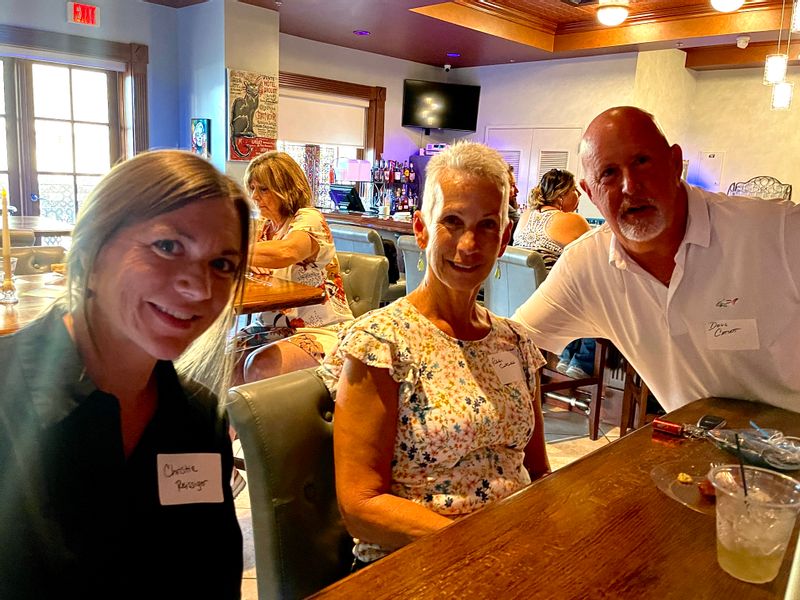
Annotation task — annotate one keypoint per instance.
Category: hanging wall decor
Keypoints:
(253, 114)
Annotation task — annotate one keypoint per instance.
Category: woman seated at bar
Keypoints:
(436, 405)
(295, 243)
(551, 224)
(115, 469)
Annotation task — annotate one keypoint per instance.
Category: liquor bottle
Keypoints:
(331, 175)
(406, 172)
(411, 173)
(398, 173)
(385, 165)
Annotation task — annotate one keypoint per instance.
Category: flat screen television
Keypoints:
(434, 105)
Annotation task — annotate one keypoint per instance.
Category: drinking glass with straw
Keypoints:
(756, 512)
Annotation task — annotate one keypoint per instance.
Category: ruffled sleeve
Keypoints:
(376, 340)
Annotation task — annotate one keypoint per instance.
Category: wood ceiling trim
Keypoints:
(501, 11)
(730, 57)
(719, 24)
(486, 22)
(678, 13)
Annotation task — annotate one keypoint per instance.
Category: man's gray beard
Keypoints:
(643, 230)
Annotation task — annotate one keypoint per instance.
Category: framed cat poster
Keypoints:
(252, 114)
(201, 137)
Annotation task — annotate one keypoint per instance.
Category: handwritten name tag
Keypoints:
(732, 334)
(189, 478)
(506, 366)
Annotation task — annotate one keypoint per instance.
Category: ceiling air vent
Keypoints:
(579, 2)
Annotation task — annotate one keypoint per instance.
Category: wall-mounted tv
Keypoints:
(434, 105)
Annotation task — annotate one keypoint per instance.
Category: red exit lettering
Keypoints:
(85, 14)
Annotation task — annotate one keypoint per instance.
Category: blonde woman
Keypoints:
(551, 222)
(116, 468)
(295, 243)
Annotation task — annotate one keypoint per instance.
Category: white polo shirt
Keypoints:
(728, 325)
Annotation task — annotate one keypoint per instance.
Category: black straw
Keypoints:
(741, 463)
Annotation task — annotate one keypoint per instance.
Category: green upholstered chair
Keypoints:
(32, 260)
(285, 425)
(407, 244)
(521, 271)
(365, 277)
(351, 238)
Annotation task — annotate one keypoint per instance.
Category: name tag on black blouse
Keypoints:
(189, 478)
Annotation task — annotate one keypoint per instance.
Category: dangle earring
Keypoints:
(497, 272)
(420, 263)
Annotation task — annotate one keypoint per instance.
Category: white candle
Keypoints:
(6, 237)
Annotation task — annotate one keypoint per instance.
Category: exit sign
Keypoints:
(85, 14)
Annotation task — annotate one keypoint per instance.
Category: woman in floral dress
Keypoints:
(436, 405)
(295, 243)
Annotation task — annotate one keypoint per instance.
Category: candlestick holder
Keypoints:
(8, 293)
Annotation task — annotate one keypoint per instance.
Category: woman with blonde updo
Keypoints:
(551, 221)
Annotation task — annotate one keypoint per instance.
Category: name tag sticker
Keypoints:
(732, 334)
(506, 366)
(189, 478)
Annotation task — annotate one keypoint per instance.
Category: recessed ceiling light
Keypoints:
(361, 32)
(453, 54)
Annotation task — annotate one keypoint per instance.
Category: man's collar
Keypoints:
(698, 221)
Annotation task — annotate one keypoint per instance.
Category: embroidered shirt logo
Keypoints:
(726, 302)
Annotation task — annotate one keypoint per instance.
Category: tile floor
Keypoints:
(573, 444)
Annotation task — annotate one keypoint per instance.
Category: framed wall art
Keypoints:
(201, 137)
(253, 114)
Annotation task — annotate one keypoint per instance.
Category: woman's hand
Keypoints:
(364, 431)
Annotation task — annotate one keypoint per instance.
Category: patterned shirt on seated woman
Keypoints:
(294, 243)
(116, 468)
(436, 404)
(550, 224)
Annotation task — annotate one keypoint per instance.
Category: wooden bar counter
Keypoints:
(598, 528)
(371, 220)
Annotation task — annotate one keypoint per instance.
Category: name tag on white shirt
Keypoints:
(189, 478)
(506, 366)
(732, 334)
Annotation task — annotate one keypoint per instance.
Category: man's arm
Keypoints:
(555, 314)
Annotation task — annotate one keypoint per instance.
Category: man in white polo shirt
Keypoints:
(699, 291)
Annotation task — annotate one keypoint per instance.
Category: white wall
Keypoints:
(201, 74)
(554, 94)
(731, 114)
(665, 88)
(298, 55)
(251, 44)
(121, 21)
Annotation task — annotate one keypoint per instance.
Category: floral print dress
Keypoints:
(322, 272)
(463, 421)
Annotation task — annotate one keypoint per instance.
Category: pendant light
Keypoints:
(775, 65)
(782, 95)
